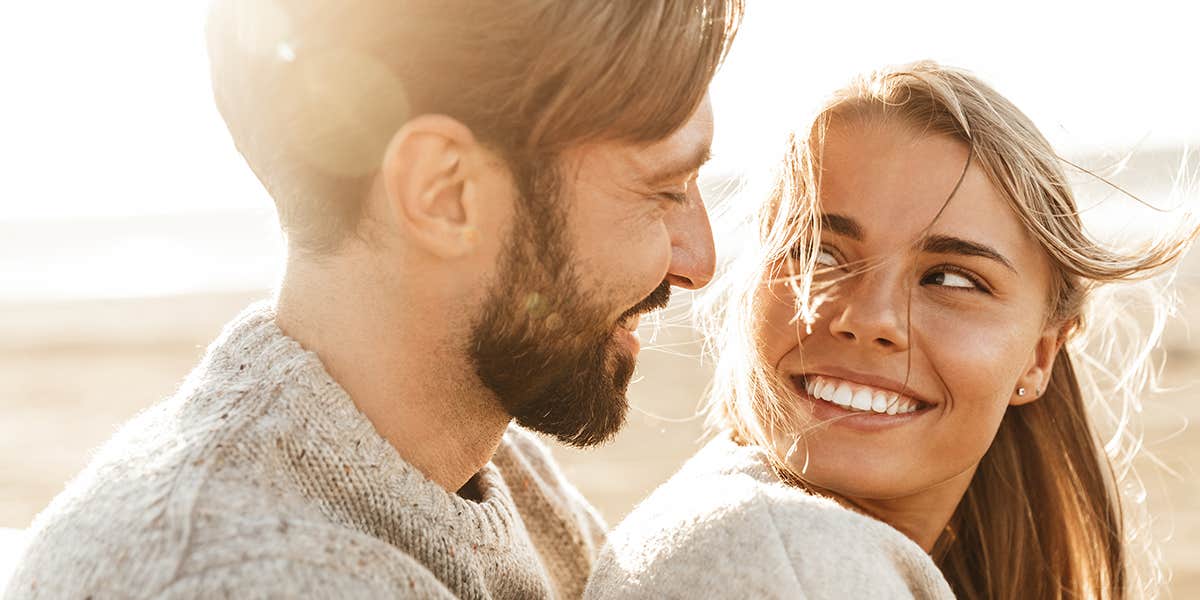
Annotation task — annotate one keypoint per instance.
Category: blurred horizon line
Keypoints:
(222, 247)
(1136, 158)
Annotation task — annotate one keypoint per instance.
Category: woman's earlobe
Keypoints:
(1028, 394)
(1023, 395)
(1033, 382)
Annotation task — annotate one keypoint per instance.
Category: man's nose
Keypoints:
(693, 257)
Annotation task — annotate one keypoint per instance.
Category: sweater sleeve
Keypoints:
(290, 578)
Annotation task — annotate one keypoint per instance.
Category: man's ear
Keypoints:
(428, 176)
(1037, 374)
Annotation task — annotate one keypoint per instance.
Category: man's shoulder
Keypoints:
(523, 456)
(561, 520)
(152, 495)
(525, 461)
(171, 455)
(175, 515)
(266, 558)
(530, 452)
(296, 577)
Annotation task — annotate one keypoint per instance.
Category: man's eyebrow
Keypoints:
(684, 167)
(944, 244)
(842, 225)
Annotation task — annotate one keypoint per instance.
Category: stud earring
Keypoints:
(1020, 391)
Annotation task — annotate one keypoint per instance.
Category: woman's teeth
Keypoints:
(853, 396)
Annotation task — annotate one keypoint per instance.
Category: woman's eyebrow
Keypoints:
(842, 225)
(945, 244)
(936, 244)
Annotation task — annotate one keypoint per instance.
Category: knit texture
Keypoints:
(725, 526)
(260, 478)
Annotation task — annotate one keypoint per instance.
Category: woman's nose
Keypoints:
(872, 309)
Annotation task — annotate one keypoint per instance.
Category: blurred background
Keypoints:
(130, 229)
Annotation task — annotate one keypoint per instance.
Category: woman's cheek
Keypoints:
(972, 356)
(772, 329)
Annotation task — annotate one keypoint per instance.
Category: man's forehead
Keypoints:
(695, 136)
(677, 155)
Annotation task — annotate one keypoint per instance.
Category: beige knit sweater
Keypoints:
(725, 526)
(260, 478)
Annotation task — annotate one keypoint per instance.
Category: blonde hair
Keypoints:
(313, 91)
(1044, 515)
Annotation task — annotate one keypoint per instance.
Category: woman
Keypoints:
(898, 385)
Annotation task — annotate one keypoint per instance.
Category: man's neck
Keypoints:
(401, 362)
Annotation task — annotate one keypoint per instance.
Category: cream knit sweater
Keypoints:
(260, 478)
(725, 526)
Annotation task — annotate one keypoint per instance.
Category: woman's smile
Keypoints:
(850, 403)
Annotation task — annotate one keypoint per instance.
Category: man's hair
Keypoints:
(313, 90)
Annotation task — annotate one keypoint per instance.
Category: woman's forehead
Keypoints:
(898, 185)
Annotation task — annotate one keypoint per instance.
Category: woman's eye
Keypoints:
(949, 279)
(826, 258)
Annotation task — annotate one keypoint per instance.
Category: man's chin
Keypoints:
(602, 427)
(583, 411)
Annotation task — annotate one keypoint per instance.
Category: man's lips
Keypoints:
(656, 300)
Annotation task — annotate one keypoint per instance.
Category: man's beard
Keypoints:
(544, 348)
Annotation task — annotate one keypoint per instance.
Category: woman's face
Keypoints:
(913, 360)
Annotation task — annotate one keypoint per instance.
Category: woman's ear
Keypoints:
(1032, 383)
(429, 185)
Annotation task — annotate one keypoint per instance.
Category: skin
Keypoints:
(400, 299)
(958, 331)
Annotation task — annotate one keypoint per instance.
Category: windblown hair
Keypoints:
(1048, 512)
(313, 90)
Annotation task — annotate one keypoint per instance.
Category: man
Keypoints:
(480, 200)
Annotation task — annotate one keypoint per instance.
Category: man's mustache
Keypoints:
(656, 300)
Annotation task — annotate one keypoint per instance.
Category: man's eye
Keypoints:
(676, 197)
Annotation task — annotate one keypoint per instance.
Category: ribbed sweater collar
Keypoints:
(348, 468)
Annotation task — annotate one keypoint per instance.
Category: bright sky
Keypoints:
(105, 113)
(106, 108)
(1093, 75)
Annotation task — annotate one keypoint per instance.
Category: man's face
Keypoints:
(596, 242)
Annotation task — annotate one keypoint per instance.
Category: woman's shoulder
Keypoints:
(725, 522)
(731, 490)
